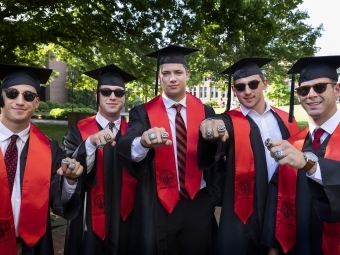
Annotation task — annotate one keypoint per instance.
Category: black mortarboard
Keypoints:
(12, 75)
(245, 67)
(110, 75)
(171, 54)
(311, 68)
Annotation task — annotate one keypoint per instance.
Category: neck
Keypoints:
(15, 127)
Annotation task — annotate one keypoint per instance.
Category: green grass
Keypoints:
(53, 131)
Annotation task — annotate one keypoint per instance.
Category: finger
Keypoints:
(113, 143)
(225, 137)
(60, 171)
(168, 142)
(64, 164)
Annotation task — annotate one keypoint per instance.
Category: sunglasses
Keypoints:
(13, 94)
(107, 92)
(242, 86)
(318, 88)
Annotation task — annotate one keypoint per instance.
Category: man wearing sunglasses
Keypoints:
(103, 226)
(249, 167)
(310, 160)
(175, 201)
(31, 167)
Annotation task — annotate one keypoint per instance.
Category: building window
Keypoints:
(194, 91)
(212, 92)
(205, 92)
(201, 92)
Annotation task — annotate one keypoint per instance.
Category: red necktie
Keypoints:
(11, 161)
(181, 143)
(317, 135)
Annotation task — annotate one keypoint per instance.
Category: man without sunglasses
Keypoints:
(311, 159)
(32, 175)
(239, 135)
(103, 226)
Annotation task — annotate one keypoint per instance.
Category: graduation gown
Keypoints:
(312, 204)
(86, 242)
(68, 210)
(146, 226)
(234, 237)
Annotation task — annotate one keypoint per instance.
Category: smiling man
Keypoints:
(315, 153)
(103, 226)
(29, 168)
(239, 135)
(175, 201)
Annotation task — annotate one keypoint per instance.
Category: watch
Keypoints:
(311, 160)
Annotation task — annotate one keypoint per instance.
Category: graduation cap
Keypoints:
(12, 75)
(311, 68)
(245, 67)
(111, 75)
(171, 54)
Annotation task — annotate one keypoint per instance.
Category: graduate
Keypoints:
(239, 135)
(175, 200)
(32, 177)
(103, 226)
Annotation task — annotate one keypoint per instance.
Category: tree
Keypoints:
(88, 34)
(279, 90)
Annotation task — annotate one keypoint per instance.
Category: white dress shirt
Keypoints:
(269, 128)
(329, 126)
(138, 152)
(90, 148)
(5, 138)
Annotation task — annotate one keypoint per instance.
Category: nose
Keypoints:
(172, 77)
(247, 90)
(20, 99)
(312, 93)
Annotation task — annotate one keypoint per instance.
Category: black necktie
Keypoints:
(111, 126)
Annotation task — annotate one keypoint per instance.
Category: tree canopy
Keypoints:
(87, 34)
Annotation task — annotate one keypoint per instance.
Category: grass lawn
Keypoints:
(54, 131)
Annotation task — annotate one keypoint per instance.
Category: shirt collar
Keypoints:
(169, 102)
(329, 125)
(6, 133)
(105, 123)
(247, 111)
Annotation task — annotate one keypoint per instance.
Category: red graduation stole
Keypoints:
(286, 207)
(34, 196)
(244, 161)
(165, 164)
(88, 127)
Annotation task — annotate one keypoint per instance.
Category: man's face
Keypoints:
(19, 110)
(251, 98)
(173, 78)
(110, 106)
(320, 106)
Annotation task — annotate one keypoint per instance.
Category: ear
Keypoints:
(37, 103)
(265, 83)
(337, 89)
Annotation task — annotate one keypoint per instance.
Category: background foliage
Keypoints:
(88, 34)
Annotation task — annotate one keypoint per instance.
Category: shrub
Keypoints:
(58, 113)
(212, 103)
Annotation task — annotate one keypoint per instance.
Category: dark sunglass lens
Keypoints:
(303, 91)
(119, 92)
(105, 92)
(320, 87)
(12, 93)
(29, 96)
(253, 84)
(240, 87)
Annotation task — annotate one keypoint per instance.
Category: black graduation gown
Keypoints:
(146, 230)
(308, 228)
(68, 210)
(234, 237)
(77, 240)
(326, 197)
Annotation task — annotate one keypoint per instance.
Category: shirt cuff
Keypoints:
(317, 175)
(138, 151)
